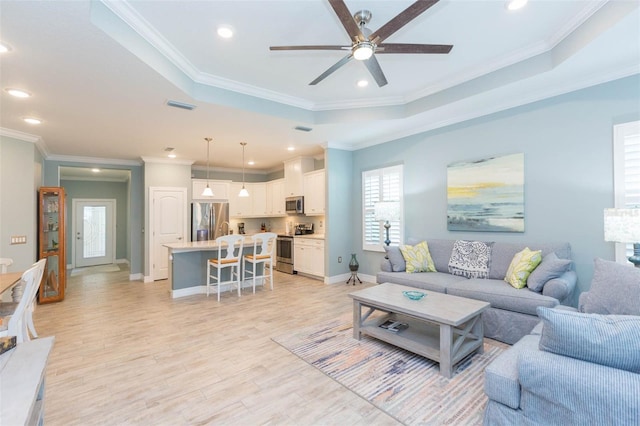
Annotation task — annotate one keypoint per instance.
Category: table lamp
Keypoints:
(387, 211)
(623, 226)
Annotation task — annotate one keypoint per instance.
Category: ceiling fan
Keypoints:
(365, 43)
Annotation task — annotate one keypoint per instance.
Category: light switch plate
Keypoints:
(19, 239)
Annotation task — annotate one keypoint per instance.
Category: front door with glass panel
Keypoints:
(94, 227)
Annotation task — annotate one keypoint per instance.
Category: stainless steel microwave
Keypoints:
(294, 205)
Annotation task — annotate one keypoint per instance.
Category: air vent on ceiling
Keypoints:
(303, 129)
(182, 105)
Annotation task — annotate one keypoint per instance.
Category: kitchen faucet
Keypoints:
(222, 225)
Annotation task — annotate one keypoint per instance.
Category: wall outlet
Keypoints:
(19, 239)
(339, 259)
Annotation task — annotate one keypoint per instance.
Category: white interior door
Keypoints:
(94, 232)
(168, 214)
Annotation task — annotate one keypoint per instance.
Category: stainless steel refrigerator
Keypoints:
(209, 220)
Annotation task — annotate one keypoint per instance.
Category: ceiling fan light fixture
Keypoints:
(515, 4)
(363, 51)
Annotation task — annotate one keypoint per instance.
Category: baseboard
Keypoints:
(122, 261)
(342, 278)
(136, 277)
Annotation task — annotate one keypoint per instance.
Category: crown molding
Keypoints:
(26, 137)
(93, 160)
(162, 160)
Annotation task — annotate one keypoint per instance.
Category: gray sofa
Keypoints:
(513, 311)
(575, 368)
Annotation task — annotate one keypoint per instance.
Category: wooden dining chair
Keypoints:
(229, 257)
(21, 319)
(263, 254)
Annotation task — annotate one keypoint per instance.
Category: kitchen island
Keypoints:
(188, 266)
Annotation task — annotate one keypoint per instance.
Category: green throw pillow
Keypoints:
(521, 266)
(418, 258)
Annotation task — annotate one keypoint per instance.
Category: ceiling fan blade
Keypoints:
(374, 68)
(413, 48)
(401, 20)
(318, 47)
(347, 20)
(331, 70)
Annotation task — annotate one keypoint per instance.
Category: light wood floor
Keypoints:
(126, 353)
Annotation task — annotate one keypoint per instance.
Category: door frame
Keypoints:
(74, 230)
(153, 190)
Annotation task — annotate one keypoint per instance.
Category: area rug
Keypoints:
(406, 386)
(95, 269)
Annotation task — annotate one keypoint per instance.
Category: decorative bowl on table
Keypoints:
(414, 295)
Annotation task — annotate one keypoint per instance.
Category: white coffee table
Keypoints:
(441, 327)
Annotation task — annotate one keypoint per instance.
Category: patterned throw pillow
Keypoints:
(521, 266)
(418, 258)
(470, 259)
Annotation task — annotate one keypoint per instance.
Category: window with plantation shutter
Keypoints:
(626, 164)
(381, 185)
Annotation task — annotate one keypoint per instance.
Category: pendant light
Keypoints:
(207, 191)
(243, 192)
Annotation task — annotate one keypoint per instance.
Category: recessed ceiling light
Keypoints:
(172, 155)
(32, 120)
(225, 32)
(291, 148)
(95, 170)
(18, 93)
(169, 150)
(363, 83)
(251, 163)
(4, 48)
(515, 4)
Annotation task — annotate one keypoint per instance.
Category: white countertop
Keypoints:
(201, 245)
(311, 236)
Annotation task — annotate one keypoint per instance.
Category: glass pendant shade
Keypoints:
(243, 192)
(208, 192)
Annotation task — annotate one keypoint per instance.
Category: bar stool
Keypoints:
(229, 245)
(263, 249)
(21, 317)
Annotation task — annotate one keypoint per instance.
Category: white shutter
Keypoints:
(380, 185)
(626, 174)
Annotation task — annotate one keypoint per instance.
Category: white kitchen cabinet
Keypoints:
(293, 173)
(308, 256)
(220, 189)
(239, 206)
(275, 198)
(314, 193)
(255, 205)
(258, 195)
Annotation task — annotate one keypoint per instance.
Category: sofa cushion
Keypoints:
(521, 266)
(441, 253)
(434, 281)
(417, 258)
(615, 289)
(611, 340)
(395, 258)
(502, 253)
(551, 267)
(501, 376)
(470, 259)
(501, 295)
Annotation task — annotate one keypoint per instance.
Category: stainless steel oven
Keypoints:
(284, 254)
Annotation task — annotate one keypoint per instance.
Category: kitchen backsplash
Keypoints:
(277, 224)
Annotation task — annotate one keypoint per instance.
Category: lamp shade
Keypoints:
(387, 210)
(622, 225)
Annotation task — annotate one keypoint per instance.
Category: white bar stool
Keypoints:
(263, 250)
(231, 246)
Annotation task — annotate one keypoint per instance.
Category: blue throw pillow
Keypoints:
(550, 268)
(611, 340)
(395, 258)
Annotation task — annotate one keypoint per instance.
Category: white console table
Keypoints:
(22, 372)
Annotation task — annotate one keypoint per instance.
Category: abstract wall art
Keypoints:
(486, 195)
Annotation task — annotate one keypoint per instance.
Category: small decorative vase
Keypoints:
(353, 264)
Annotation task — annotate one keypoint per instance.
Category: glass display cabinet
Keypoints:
(51, 243)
